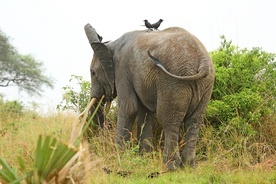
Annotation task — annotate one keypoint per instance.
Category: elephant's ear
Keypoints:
(91, 34)
(103, 54)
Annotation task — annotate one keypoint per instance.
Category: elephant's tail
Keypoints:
(203, 69)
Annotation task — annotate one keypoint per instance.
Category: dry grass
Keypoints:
(20, 138)
(216, 163)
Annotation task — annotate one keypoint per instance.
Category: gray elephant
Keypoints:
(168, 73)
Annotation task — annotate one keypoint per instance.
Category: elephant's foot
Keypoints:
(173, 163)
(121, 141)
(188, 162)
(188, 157)
(145, 146)
(145, 149)
(172, 166)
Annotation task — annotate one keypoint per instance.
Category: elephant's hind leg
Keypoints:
(192, 126)
(171, 148)
(171, 126)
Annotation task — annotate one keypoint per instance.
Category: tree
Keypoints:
(20, 70)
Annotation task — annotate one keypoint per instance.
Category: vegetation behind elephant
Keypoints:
(168, 73)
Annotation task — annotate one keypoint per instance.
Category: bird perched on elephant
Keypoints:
(148, 25)
(154, 25)
(157, 24)
(167, 73)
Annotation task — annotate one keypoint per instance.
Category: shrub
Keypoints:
(244, 85)
(10, 111)
(243, 99)
(73, 99)
(11, 107)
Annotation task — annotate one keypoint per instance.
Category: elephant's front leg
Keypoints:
(127, 112)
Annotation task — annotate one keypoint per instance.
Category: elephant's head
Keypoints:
(102, 73)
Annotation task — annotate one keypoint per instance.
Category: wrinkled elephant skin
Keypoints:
(165, 73)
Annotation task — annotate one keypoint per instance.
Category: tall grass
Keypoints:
(20, 134)
(225, 157)
(232, 150)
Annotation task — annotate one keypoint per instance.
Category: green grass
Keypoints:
(140, 168)
(215, 162)
(202, 174)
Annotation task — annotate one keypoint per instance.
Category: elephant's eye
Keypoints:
(92, 72)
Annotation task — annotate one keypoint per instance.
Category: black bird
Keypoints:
(157, 24)
(148, 25)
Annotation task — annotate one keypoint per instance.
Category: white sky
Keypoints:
(53, 30)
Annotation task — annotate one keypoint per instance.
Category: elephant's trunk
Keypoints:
(89, 105)
(107, 107)
(98, 119)
(103, 110)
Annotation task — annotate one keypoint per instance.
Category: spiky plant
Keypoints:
(55, 161)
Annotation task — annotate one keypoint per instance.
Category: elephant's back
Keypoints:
(179, 51)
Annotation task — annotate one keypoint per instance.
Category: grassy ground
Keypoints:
(204, 173)
(18, 136)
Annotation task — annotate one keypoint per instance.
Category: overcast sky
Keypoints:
(53, 30)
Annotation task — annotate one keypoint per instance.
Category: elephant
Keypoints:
(166, 73)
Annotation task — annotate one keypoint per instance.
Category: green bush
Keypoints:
(10, 111)
(11, 107)
(243, 100)
(244, 85)
(73, 99)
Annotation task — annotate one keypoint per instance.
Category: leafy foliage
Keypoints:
(243, 101)
(19, 70)
(51, 157)
(8, 174)
(244, 86)
(11, 107)
(73, 99)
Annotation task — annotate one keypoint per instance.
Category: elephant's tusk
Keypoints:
(81, 114)
(78, 131)
(107, 107)
(93, 100)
